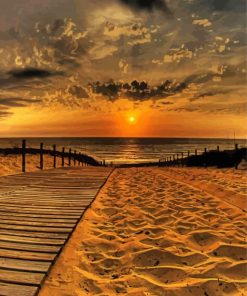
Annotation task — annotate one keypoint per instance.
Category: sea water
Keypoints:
(127, 150)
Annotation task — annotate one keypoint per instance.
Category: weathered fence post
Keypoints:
(236, 156)
(74, 157)
(70, 157)
(195, 152)
(174, 160)
(218, 148)
(205, 157)
(177, 159)
(79, 159)
(41, 156)
(182, 161)
(54, 157)
(63, 150)
(23, 156)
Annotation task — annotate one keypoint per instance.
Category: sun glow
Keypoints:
(132, 119)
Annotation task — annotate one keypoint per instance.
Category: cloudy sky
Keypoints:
(85, 68)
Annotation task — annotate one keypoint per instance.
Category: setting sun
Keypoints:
(132, 119)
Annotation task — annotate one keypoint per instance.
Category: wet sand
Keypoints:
(147, 233)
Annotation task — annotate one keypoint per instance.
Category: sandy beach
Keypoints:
(158, 231)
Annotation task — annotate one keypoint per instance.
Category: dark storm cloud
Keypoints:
(27, 78)
(148, 5)
(137, 91)
(30, 73)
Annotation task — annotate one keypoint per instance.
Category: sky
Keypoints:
(123, 68)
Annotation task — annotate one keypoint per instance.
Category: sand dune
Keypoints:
(148, 234)
(12, 164)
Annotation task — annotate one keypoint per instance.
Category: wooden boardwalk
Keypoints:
(38, 213)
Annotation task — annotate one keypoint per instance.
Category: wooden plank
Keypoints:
(29, 247)
(53, 206)
(41, 210)
(36, 228)
(41, 219)
(48, 257)
(25, 265)
(35, 211)
(21, 277)
(17, 290)
(32, 240)
(80, 200)
(38, 211)
(34, 223)
(41, 235)
(38, 215)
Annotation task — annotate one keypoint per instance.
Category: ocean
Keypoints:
(127, 150)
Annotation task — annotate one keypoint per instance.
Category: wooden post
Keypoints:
(188, 154)
(79, 159)
(70, 157)
(205, 157)
(63, 150)
(218, 148)
(23, 156)
(236, 156)
(196, 152)
(41, 156)
(74, 157)
(54, 157)
(103, 162)
(174, 159)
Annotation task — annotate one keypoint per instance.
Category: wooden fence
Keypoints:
(74, 158)
(224, 158)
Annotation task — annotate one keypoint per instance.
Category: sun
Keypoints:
(132, 119)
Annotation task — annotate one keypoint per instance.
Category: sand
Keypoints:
(12, 164)
(149, 234)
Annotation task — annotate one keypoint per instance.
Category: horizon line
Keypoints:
(116, 137)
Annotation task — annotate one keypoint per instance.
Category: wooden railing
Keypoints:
(224, 158)
(74, 158)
